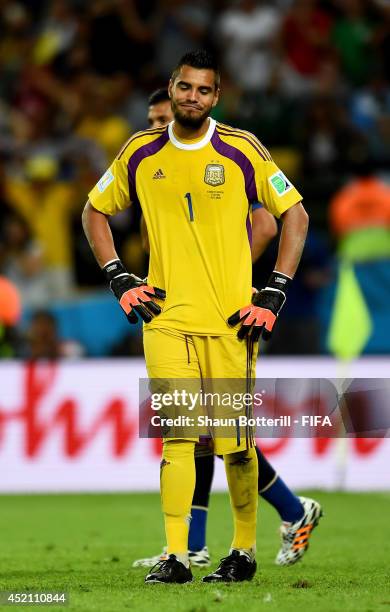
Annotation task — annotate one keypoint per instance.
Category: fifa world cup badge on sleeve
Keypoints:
(280, 183)
(106, 179)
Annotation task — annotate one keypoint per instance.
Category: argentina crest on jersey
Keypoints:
(214, 174)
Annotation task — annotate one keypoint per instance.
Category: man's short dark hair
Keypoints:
(201, 59)
(160, 95)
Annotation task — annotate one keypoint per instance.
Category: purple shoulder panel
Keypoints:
(242, 161)
(247, 169)
(151, 148)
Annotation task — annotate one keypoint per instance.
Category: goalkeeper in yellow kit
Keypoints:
(195, 181)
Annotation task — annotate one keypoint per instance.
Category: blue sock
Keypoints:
(197, 534)
(284, 501)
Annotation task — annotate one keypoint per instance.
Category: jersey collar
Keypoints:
(196, 145)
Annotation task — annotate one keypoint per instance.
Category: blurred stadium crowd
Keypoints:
(310, 78)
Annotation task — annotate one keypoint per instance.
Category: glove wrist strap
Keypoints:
(114, 268)
(279, 282)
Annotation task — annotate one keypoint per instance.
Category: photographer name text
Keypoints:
(242, 421)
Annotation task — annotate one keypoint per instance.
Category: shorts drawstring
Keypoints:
(188, 350)
(249, 363)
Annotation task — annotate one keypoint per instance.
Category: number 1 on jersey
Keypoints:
(190, 209)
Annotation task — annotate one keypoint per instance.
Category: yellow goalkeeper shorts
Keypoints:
(203, 361)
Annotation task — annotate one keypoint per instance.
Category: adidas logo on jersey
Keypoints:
(159, 174)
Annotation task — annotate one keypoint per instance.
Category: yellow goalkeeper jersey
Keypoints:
(196, 198)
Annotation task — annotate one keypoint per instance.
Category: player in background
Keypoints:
(195, 181)
(295, 512)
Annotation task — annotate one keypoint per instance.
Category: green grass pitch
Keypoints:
(85, 544)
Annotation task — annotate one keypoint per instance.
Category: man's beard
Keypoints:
(189, 121)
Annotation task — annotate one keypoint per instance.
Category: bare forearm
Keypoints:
(258, 247)
(292, 239)
(99, 236)
(264, 229)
